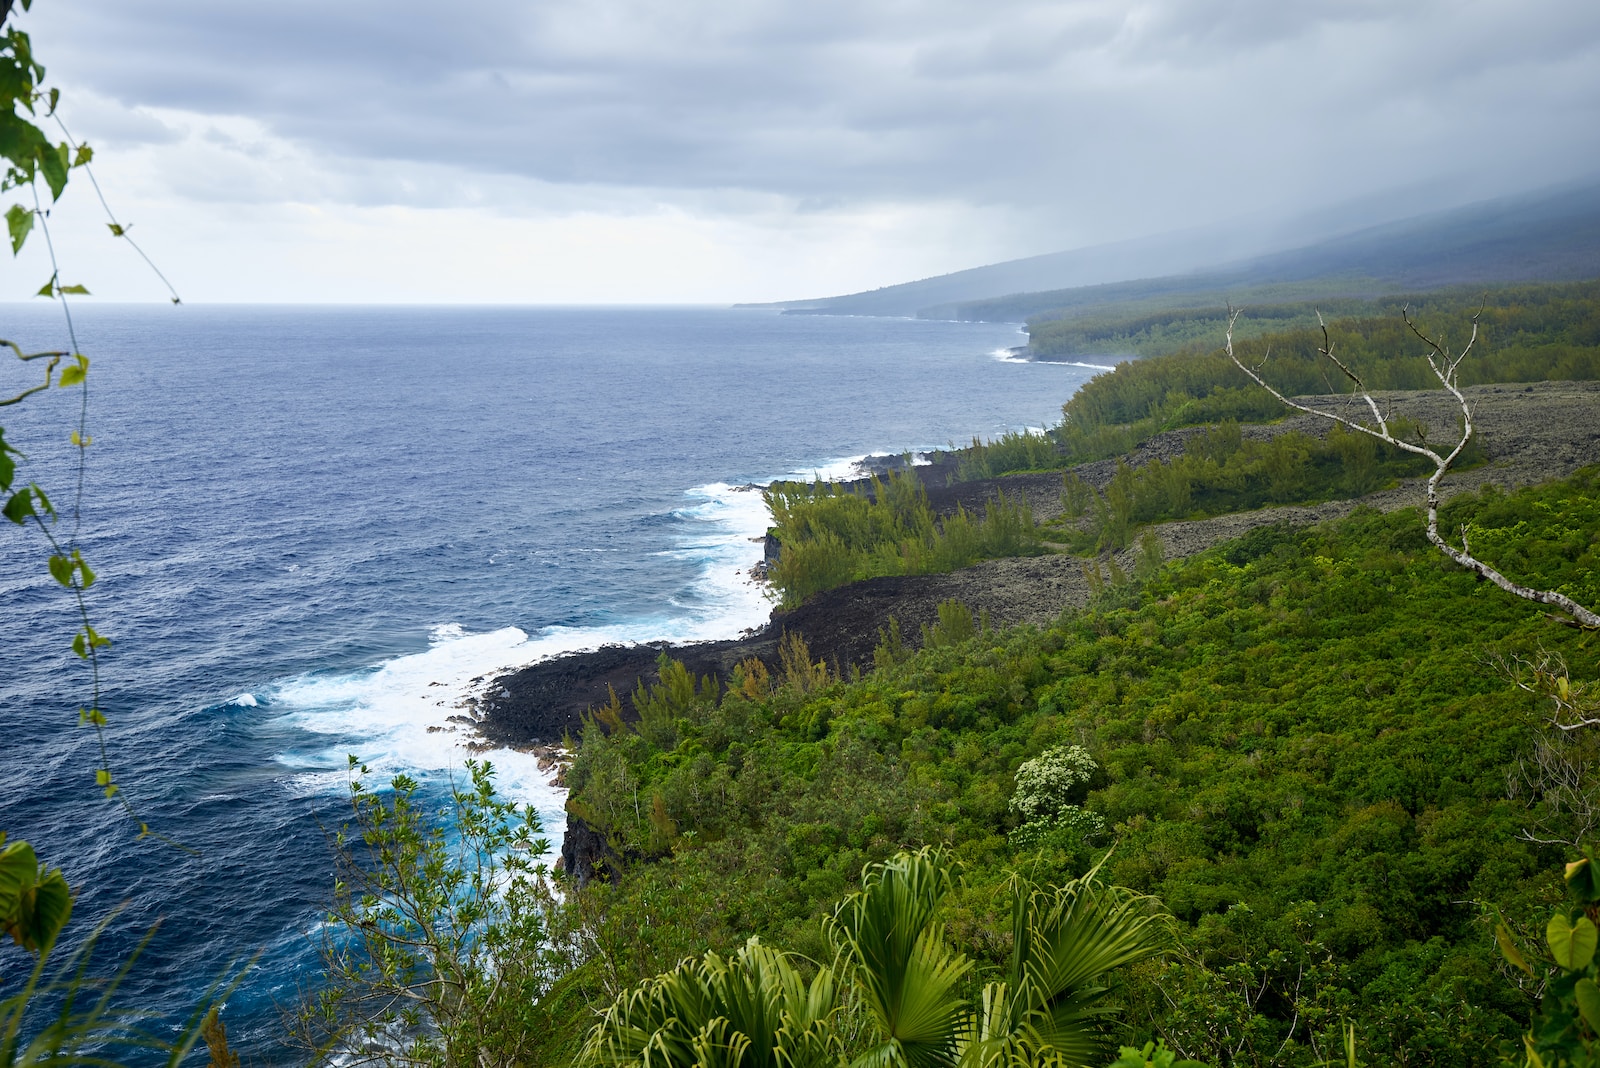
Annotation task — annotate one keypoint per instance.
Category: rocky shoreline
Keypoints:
(1531, 433)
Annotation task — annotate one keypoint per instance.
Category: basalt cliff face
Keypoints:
(1531, 433)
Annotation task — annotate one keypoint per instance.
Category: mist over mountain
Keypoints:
(1551, 234)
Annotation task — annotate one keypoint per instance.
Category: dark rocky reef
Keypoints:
(547, 700)
(586, 855)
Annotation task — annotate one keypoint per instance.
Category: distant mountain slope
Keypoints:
(1549, 235)
(1142, 258)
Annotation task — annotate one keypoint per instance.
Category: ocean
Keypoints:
(318, 529)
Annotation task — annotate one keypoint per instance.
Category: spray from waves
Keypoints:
(1010, 356)
(415, 713)
(1016, 356)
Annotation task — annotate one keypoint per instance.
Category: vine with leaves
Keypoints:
(31, 158)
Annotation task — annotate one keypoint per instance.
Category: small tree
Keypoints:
(435, 952)
(1445, 367)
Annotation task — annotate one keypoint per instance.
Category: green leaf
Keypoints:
(35, 902)
(74, 373)
(116, 230)
(85, 154)
(1582, 880)
(61, 568)
(52, 906)
(19, 507)
(53, 165)
(1588, 995)
(75, 289)
(19, 221)
(1509, 950)
(79, 646)
(48, 289)
(88, 580)
(18, 870)
(1572, 944)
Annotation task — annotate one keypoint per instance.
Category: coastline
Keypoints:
(1531, 432)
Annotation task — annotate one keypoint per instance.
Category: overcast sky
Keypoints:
(721, 150)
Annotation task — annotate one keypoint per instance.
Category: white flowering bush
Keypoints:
(1046, 782)
(1044, 786)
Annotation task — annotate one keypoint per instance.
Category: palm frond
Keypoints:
(907, 977)
(750, 1010)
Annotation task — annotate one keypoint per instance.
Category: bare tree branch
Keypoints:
(1445, 367)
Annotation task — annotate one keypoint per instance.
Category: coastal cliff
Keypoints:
(1531, 433)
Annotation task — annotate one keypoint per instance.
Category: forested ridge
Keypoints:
(1303, 748)
(837, 534)
(1310, 745)
(1530, 333)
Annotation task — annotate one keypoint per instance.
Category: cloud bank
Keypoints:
(951, 133)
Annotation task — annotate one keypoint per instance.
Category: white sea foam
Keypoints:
(244, 700)
(414, 713)
(397, 715)
(1009, 356)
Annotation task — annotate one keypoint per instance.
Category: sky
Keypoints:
(710, 151)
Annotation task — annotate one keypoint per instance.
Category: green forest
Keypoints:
(832, 535)
(1305, 745)
(1315, 768)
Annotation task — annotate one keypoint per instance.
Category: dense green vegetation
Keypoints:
(1529, 334)
(1221, 471)
(1172, 329)
(1104, 307)
(833, 534)
(1303, 750)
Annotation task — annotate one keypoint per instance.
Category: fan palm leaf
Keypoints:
(750, 1010)
(1066, 942)
(906, 977)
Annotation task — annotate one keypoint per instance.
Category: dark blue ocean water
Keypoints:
(315, 527)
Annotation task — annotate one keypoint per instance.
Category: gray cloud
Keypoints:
(1101, 119)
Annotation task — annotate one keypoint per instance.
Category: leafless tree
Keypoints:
(1558, 780)
(1445, 367)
